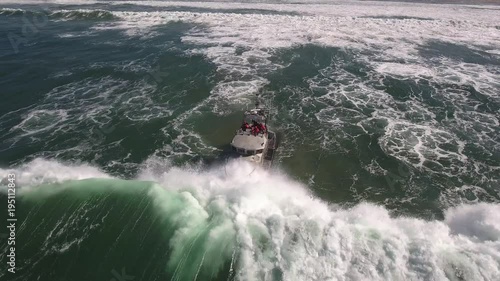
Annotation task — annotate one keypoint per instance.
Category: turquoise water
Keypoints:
(115, 116)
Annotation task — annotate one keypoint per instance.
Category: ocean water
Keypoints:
(114, 117)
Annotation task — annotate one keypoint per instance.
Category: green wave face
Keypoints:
(103, 223)
(237, 223)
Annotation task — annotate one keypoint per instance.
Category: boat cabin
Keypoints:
(251, 139)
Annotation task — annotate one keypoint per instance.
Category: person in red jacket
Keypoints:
(245, 126)
(255, 130)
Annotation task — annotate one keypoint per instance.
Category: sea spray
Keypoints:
(261, 224)
(282, 232)
(201, 237)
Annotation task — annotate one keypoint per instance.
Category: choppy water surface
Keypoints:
(114, 114)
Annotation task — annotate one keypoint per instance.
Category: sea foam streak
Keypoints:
(267, 225)
(389, 40)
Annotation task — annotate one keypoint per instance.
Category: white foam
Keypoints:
(385, 37)
(76, 34)
(42, 171)
(40, 120)
(308, 240)
(405, 70)
(355, 26)
(475, 221)
(90, 103)
(270, 222)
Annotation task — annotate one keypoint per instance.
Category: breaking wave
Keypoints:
(83, 15)
(268, 227)
(12, 12)
(61, 14)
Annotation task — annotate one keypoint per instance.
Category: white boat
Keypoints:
(254, 142)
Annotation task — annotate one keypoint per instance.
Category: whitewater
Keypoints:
(269, 227)
(116, 113)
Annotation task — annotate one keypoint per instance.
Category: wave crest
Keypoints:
(61, 14)
(83, 15)
(267, 226)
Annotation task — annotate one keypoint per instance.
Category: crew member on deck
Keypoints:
(255, 128)
(245, 126)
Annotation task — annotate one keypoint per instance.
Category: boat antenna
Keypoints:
(257, 102)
